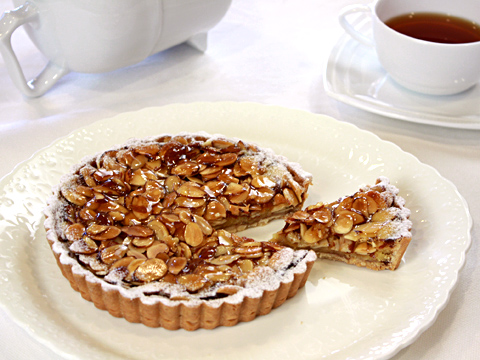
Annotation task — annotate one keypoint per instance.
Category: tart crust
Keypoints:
(370, 228)
(141, 230)
(149, 307)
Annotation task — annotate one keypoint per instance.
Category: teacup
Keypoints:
(93, 36)
(423, 66)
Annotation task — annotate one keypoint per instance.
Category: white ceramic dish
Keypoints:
(343, 312)
(354, 76)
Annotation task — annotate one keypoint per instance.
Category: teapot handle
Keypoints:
(39, 85)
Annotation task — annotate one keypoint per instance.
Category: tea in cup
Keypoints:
(428, 46)
(93, 36)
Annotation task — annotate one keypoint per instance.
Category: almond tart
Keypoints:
(144, 230)
(370, 228)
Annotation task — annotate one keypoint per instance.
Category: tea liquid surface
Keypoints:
(433, 27)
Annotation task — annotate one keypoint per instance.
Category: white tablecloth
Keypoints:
(271, 52)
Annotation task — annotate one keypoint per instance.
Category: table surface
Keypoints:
(270, 52)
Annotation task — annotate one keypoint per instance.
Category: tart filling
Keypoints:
(370, 228)
(146, 224)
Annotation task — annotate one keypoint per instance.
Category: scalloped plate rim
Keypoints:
(407, 341)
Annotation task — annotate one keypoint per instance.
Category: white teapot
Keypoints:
(93, 36)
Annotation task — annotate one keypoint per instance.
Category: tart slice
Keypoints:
(370, 228)
(140, 230)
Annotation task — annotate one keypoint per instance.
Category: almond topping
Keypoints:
(224, 259)
(203, 224)
(142, 241)
(189, 202)
(311, 236)
(74, 232)
(150, 212)
(74, 197)
(138, 231)
(123, 262)
(343, 224)
(215, 210)
(186, 168)
(192, 282)
(193, 234)
(323, 216)
(176, 264)
(262, 181)
(151, 270)
(157, 248)
(84, 246)
(113, 253)
(191, 189)
(290, 196)
(226, 159)
(103, 232)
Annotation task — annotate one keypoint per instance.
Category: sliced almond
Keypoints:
(226, 159)
(113, 253)
(138, 161)
(134, 264)
(322, 215)
(122, 263)
(234, 189)
(249, 165)
(246, 265)
(218, 277)
(151, 150)
(102, 232)
(215, 210)
(184, 201)
(192, 282)
(142, 242)
(370, 229)
(75, 232)
(176, 264)
(84, 246)
(224, 259)
(186, 168)
(311, 236)
(343, 224)
(193, 234)
(157, 248)
(172, 183)
(137, 230)
(383, 215)
(248, 250)
(356, 217)
(203, 224)
(364, 249)
(150, 270)
(290, 196)
(264, 195)
(74, 197)
(240, 197)
(262, 181)
(191, 189)
(161, 231)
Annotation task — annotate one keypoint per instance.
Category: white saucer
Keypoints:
(354, 76)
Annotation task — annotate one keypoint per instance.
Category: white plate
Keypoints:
(354, 76)
(343, 312)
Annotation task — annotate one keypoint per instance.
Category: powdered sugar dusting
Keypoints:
(401, 225)
(253, 286)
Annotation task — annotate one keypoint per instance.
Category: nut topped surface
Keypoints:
(369, 228)
(223, 181)
(157, 214)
